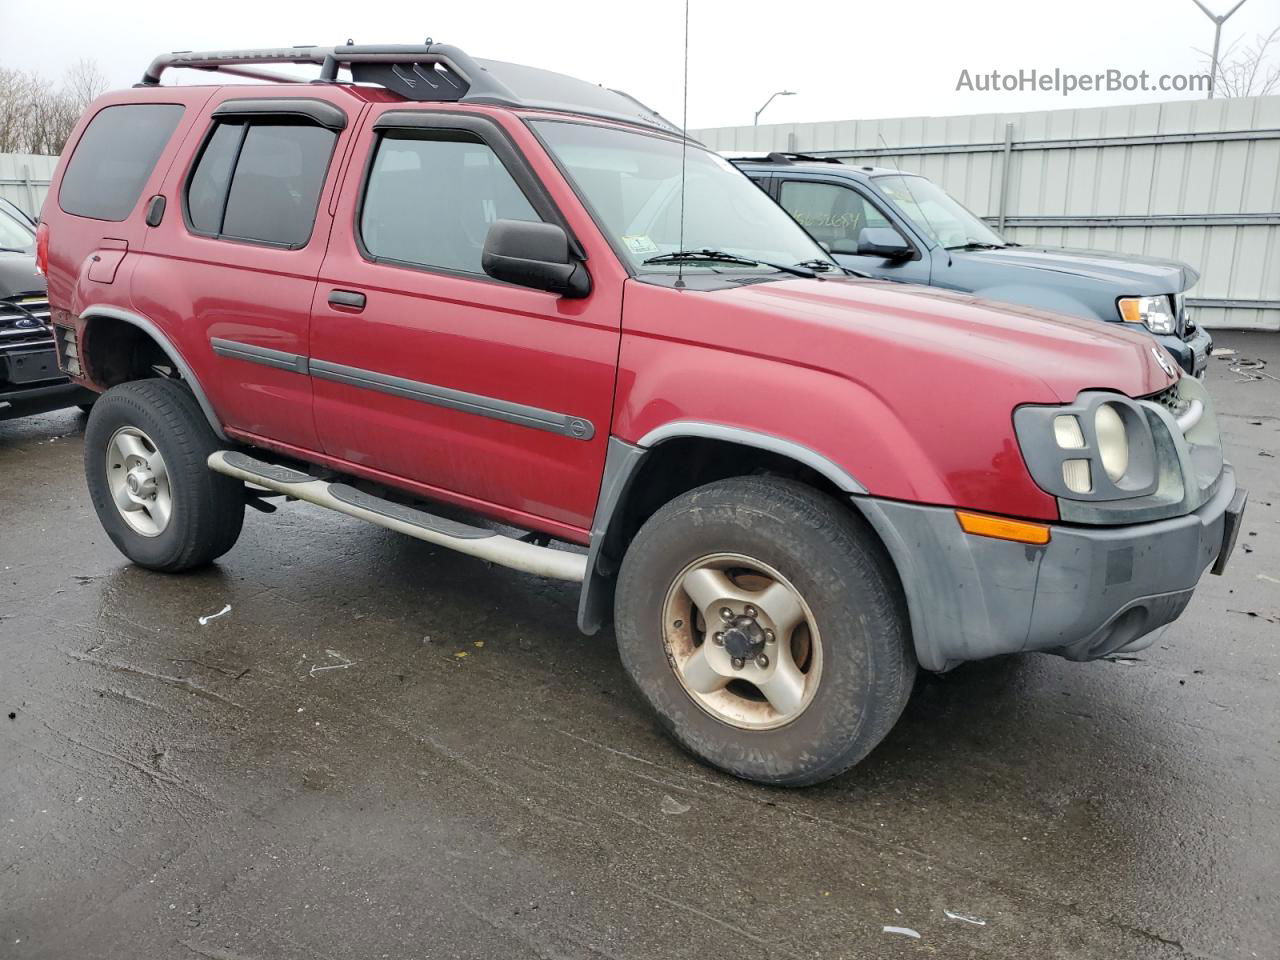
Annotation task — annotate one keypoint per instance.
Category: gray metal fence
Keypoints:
(24, 179)
(1197, 181)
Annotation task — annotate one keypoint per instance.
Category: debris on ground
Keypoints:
(342, 665)
(903, 932)
(1251, 370)
(673, 807)
(214, 616)
(1269, 579)
(1255, 614)
(1222, 352)
(960, 916)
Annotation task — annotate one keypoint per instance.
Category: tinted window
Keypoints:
(208, 189)
(431, 201)
(276, 172)
(114, 158)
(832, 214)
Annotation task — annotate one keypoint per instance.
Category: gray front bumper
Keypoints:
(1192, 355)
(1087, 593)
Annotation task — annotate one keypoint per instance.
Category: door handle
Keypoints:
(346, 298)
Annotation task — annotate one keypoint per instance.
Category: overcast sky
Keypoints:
(845, 60)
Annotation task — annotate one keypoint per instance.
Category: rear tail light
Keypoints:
(42, 249)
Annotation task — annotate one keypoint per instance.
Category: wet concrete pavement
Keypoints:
(388, 750)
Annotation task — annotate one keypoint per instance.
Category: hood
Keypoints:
(18, 275)
(1126, 273)
(1066, 354)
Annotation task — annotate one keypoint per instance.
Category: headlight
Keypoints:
(1156, 313)
(1113, 442)
(1099, 448)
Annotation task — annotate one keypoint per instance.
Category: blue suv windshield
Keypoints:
(936, 213)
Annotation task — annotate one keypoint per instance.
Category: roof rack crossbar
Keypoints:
(428, 72)
(399, 66)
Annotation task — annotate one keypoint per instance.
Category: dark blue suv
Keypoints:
(901, 226)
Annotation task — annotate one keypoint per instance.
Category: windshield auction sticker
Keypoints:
(640, 245)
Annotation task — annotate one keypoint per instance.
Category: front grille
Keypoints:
(24, 322)
(1171, 401)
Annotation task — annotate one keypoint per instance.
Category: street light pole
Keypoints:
(791, 93)
(1217, 38)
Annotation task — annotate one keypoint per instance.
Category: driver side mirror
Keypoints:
(883, 242)
(534, 255)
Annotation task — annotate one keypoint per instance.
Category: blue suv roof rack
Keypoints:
(429, 72)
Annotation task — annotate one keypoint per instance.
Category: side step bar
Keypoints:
(473, 541)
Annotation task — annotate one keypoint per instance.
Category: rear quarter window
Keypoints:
(260, 181)
(114, 159)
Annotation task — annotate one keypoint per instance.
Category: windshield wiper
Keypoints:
(820, 266)
(720, 256)
(977, 245)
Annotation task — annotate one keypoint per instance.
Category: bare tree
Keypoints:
(36, 116)
(1252, 70)
(84, 83)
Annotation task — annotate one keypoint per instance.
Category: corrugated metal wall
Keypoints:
(24, 179)
(1197, 181)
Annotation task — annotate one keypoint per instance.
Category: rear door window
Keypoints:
(260, 181)
(114, 159)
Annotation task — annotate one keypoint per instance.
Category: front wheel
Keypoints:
(764, 624)
(146, 448)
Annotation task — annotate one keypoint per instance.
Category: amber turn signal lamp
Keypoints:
(1002, 528)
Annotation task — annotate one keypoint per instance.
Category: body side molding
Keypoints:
(171, 351)
(576, 428)
(278, 359)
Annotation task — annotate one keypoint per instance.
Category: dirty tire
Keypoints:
(208, 508)
(842, 571)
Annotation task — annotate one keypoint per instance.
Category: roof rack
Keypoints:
(778, 157)
(428, 72)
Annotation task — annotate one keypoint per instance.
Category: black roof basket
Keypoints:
(429, 72)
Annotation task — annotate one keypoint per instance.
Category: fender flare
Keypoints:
(172, 352)
(623, 461)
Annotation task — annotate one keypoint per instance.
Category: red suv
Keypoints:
(454, 297)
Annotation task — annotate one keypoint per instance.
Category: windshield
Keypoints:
(14, 234)
(631, 182)
(936, 213)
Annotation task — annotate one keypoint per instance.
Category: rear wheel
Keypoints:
(146, 447)
(764, 624)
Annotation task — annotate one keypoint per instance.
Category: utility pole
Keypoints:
(786, 93)
(1217, 38)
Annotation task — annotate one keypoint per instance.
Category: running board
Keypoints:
(473, 541)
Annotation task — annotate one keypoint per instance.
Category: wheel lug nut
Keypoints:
(769, 637)
(719, 639)
(750, 611)
(738, 663)
(762, 661)
(726, 613)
